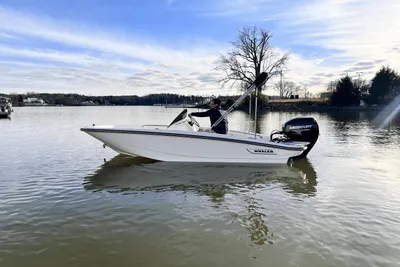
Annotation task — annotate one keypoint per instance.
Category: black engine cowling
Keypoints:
(303, 129)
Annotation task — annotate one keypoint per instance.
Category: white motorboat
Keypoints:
(5, 107)
(184, 140)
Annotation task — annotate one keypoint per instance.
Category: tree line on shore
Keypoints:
(381, 89)
(79, 99)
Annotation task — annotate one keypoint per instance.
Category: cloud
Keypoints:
(350, 32)
(358, 30)
(170, 2)
(86, 59)
(328, 75)
(92, 39)
(42, 53)
(78, 59)
(228, 8)
(367, 63)
(63, 56)
(4, 35)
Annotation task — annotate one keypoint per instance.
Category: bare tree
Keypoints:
(251, 55)
(286, 88)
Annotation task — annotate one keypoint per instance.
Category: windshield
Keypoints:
(180, 117)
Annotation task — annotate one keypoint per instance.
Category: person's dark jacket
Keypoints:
(214, 114)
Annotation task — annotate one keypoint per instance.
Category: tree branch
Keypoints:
(251, 55)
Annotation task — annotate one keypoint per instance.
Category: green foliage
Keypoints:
(383, 88)
(262, 101)
(346, 93)
(77, 99)
(384, 85)
(229, 102)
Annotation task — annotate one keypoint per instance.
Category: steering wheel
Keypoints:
(192, 120)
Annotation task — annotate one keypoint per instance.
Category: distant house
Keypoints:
(273, 97)
(326, 94)
(34, 101)
(87, 103)
(208, 99)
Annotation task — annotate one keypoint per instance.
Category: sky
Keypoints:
(123, 47)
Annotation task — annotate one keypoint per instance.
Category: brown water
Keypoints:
(62, 205)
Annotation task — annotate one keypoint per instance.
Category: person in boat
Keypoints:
(215, 112)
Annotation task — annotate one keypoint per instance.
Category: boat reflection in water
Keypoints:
(124, 173)
(132, 175)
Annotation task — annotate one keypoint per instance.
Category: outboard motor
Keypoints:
(303, 129)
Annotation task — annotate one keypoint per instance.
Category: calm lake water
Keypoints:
(66, 201)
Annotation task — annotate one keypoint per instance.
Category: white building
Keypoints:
(34, 101)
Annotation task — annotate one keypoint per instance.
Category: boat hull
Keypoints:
(180, 146)
(5, 114)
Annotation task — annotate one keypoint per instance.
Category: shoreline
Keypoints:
(267, 107)
(305, 106)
